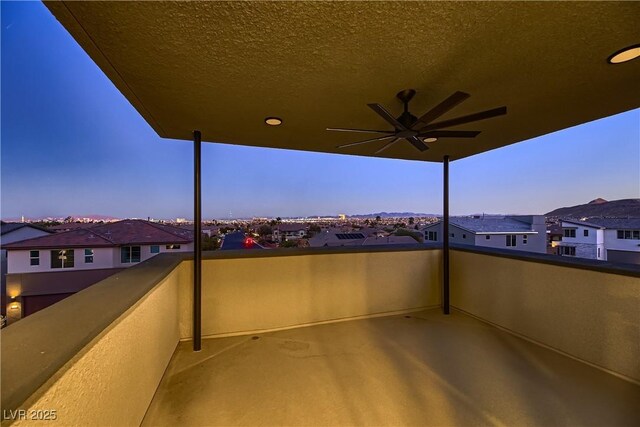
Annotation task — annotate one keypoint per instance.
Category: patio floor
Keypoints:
(428, 369)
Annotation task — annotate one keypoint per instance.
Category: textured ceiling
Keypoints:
(222, 67)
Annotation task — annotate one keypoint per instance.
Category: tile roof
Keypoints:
(125, 232)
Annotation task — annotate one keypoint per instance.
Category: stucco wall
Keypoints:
(535, 242)
(249, 294)
(612, 242)
(116, 375)
(20, 261)
(587, 314)
(145, 253)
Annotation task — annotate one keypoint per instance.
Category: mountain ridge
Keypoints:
(600, 208)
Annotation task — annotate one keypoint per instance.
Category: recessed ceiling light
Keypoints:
(624, 55)
(430, 139)
(273, 121)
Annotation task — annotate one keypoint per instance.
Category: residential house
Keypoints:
(606, 239)
(46, 269)
(516, 232)
(582, 239)
(554, 236)
(363, 237)
(330, 237)
(289, 231)
(14, 232)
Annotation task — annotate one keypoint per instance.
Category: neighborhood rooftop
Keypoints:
(119, 233)
(8, 227)
(490, 224)
(611, 223)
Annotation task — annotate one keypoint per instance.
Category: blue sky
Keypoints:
(72, 144)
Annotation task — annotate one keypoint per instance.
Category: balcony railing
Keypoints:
(98, 357)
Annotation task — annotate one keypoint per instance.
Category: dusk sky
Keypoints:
(72, 144)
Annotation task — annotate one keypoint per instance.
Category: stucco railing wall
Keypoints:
(590, 315)
(106, 348)
(108, 374)
(251, 294)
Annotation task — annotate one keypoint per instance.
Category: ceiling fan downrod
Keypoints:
(406, 118)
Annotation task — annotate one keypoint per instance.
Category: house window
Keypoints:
(432, 235)
(155, 249)
(569, 232)
(173, 247)
(464, 236)
(88, 256)
(34, 257)
(129, 254)
(62, 258)
(568, 250)
(511, 239)
(598, 252)
(524, 239)
(487, 237)
(452, 235)
(586, 233)
(629, 234)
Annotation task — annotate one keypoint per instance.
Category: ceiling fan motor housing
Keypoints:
(407, 119)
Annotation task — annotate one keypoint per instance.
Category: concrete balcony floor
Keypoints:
(428, 369)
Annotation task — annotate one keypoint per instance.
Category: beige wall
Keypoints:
(593, 316)
(117, 374)
(251, 294)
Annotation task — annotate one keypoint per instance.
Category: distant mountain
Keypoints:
(600, 208)
(392, 215)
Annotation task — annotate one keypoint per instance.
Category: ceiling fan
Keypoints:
(418, 130)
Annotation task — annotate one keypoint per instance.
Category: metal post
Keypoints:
(445, 236)
(197, 244)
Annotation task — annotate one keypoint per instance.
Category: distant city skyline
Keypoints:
(72, 144)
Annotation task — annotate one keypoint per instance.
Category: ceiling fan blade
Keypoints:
(382, 112)
(442, 108)
(351, 144)
(359, 130)
(466, 119)
(387, 145)
(449, 134)
(415, 141)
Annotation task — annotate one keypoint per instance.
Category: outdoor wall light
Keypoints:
(432, 139)
(624, 55)
(14, 306)
(273, 121)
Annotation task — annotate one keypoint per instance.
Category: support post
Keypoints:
(197, 244)
(445, 235)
